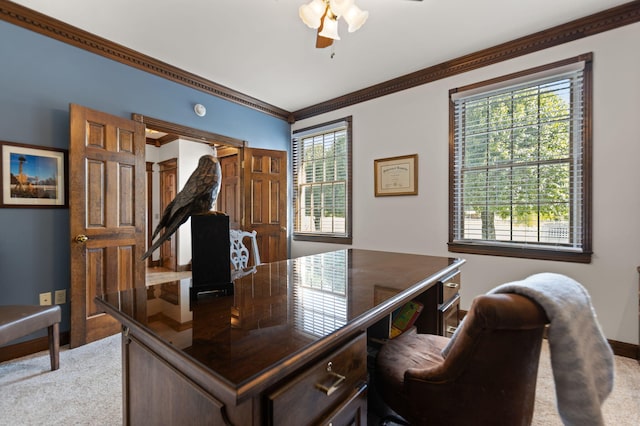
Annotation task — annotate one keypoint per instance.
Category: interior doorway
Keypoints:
(253, 190)
(166, 144)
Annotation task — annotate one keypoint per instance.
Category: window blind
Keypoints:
(320, 305)
(322, 180)
(519, 163)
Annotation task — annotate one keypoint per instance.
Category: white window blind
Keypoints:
(519, 162)
(320, 305)
(322, 180)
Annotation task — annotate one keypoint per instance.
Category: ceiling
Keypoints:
(262, 49)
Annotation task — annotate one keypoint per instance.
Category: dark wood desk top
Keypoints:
(281, 314)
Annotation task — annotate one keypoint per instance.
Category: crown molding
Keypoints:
(609, 19)
(50, 27)
(188, 132)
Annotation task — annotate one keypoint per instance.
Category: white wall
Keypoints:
(416, 121)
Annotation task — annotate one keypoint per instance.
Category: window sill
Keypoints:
(322, 238)
(519, 252)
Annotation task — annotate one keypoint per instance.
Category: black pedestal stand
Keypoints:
(210, 258)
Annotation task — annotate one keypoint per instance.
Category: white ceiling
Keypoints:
(262, 49)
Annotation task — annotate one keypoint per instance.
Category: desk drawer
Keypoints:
(449, 315)
(322, 387)
(450, 287)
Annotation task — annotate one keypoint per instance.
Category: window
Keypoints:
(322, 182)
(520, 164)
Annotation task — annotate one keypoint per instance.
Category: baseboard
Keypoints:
(29, 347)
(627, 350)
(183, 268)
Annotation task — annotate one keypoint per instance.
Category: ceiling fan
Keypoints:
(323, 15)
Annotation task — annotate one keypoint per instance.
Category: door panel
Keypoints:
(229, 197)
(107, 171)
(265, 192)
(168, 191)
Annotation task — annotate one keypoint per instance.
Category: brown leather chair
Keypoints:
(488, 376)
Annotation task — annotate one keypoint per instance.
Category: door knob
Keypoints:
(81, 239)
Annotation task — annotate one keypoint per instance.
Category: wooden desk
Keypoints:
(288, 347)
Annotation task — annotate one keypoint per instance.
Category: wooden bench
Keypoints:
(21, 320)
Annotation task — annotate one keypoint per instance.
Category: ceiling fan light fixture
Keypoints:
(355, 17)
(323, 16)
(312, 12)
(340, 7)
(329, 28)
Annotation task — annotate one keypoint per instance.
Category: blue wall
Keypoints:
(39, 78)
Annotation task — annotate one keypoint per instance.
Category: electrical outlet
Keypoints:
(45, 299)
(60, 297)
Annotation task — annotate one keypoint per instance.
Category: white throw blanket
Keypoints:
(581, 358)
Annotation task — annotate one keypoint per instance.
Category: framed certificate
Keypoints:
(396, 175)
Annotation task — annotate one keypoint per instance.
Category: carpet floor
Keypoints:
(87, 389)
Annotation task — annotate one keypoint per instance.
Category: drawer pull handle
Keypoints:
(339, 380)
(451, 329)
(452, 285)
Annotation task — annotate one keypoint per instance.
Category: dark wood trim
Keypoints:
(30, 347)
(627, 350)
(163, 140)
(188, 132)
(183, 268)
(50, 27)
(518, 251)
(609, 19)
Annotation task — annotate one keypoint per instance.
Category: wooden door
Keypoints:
(265, 194)
(229, 197)
(168, 191)
(107, 216)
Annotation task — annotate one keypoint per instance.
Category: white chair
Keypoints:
(239, 252)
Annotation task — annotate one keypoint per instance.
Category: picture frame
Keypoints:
(33, 176)
(396, 175)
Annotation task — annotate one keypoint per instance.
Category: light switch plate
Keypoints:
(60, 297)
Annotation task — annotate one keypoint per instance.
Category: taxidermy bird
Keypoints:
(198, 196)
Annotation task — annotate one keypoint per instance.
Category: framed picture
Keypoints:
(32, 176)
(396, 175)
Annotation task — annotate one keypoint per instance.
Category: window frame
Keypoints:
(520, 250)
(326, 127)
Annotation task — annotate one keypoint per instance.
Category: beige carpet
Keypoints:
(87, 389)
(622, 407)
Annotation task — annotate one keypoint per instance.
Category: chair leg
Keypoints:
(54, 345)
